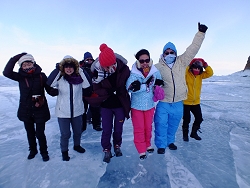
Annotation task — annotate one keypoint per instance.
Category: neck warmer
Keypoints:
(73, 79)
(29, 70)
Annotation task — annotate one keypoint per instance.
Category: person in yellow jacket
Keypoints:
(194, 76)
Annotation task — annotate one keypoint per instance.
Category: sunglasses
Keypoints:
(167, 53)
(68, 65)
(87, 60)
(144, 60)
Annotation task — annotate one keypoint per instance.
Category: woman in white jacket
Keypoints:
(70, 82)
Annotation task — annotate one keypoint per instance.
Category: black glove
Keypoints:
(159, 82)
(135, 86)
(18, 56)
(202, 28)
(149, 80)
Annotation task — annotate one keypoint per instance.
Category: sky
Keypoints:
(49, 30)
(220, 159)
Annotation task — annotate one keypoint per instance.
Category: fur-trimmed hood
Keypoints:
(70, 60)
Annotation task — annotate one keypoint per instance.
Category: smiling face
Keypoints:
(69, 68)
(27, 65)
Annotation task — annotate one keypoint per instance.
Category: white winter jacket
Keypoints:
(63, 99)
(174, 79)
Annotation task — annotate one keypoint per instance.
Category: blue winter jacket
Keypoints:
(143, 98)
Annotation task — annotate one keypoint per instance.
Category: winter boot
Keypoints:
(107, 156)
(150, 149)
(45, 156)
(32, 154)
(172, 146)
(65, 156)
(143, 156)
(117, 151)
(79, 149)
(194, 133)
(161, 150)
(97, 128)
(185, 134)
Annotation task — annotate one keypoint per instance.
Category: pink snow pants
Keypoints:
(142, 123)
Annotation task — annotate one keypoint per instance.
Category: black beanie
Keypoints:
(141, 52)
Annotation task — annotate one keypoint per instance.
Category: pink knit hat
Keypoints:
(107, 56)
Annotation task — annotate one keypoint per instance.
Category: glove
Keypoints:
(204, 64)
(202, 28)
(159, 82)
(135, 86)
(18, 56)
(158, 94)
(149, 80)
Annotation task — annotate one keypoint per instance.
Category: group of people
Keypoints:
(105, 92)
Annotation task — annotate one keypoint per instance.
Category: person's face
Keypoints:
(144, 61)
(111, 68)
(68, 69)
(27, 65)
(168, 51)
(88, 61)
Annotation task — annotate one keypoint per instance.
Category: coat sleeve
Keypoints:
(8, 70)
(50, 90)
(192, 50)
(207, 73)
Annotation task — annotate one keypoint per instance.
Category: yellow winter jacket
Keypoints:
(194, 84)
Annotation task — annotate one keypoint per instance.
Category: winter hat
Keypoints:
(141, 52)
(26, 58)
(87, 55)
(171, 46)
(158, 93)
(197, 63)
(69, 60)
(107, 56)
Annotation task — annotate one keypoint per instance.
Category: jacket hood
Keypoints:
(70, 60)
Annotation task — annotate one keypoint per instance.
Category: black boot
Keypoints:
(194, 133)
(79, 149)
(117, 151)
(97, 128)
(65, 156)
(45, 156)
(107, 156)
(32, 154)
(185, 134)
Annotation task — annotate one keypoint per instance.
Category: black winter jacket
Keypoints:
(30, 85)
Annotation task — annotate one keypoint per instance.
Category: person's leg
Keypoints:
(107, 125)
(148, 119)
(137, 117)
(96, 118)
(64, 125)
(186, 121)
(31, 136)
(161, 125)
(175, 115)
(196, 110)
(76, 123)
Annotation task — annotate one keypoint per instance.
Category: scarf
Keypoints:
(73, 79)
(101, 73)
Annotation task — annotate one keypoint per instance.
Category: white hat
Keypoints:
(27, 57)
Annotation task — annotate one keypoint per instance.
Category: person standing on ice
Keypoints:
(91, 114)
(109, 85)
(70, 81)
(143, 81)
(33, 108)
(194, 77)
(169, 111)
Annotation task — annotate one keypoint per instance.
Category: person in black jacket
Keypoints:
(33, 107)
(92, 114)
